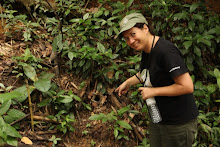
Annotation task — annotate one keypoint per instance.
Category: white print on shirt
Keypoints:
(178, 67)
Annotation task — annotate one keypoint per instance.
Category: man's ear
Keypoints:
(145, 27)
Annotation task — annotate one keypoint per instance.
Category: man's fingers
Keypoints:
(140, 89)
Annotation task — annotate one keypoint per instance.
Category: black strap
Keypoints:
(148, 63)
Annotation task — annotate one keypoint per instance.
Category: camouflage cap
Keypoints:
(130, 21)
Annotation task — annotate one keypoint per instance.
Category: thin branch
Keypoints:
(30, 106)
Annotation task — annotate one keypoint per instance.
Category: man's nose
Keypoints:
(130, 40)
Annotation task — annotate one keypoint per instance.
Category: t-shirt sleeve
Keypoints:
(173, 62)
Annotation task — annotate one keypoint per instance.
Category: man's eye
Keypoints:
(125, 38)
(133, 34)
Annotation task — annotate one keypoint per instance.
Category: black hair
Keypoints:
(139, 25)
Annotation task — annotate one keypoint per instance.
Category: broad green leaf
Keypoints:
(211, 88)
(77, 20)
(124, 125)
(187, 44)
(16, 114)
(65, 99)
(182, 15)
(86, 16)
(4, 107)
(23, 92)
(217, 73)
(7, 96)
(206, 128)
(46, 76)
(190, 66)
(191, 25)
(123, 110)
(43, 85)
(218, 82)
(11, 131)
(8, 119)
(199, 85)
(198, 16)
(12, 141)
(99, 116)
(44, 102)
(197, 51)
(99, 13)
(35, 24)
(193, 7)
(77, 98)
(101, 47)
(129, 3)
(30, 72)
(207, 42)
(116, 132)
(70, 55)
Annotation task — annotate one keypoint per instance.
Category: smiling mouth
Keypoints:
(135, 44)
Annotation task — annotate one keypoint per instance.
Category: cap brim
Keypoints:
(127, 27)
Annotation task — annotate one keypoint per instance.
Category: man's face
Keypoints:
(136, 38)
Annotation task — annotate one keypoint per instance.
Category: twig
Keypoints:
(41, 118)
(30, 106)
(86, 3)
(22, 118)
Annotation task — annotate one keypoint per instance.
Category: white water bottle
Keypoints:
(153, 110)
(151, 102)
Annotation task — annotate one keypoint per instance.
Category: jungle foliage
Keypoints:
(86, 40)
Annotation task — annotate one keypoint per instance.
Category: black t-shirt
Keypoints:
(166, 63)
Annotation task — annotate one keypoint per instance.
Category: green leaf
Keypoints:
(198, 17)
(217, 73)
(43, 85)
(30, 72)
(86, 16)
(191, 25)
(101, 47)
(116, 132)
(182, 15)
(23, 92)
(99, 13)
(70, 55)
(77, 98)
(193, 7)
(46, 76)
(187, 44)
(34, 24)
(4, 107)
(11, 131)
(123, 110)
(99, 116)
(124, 125)
(65, 99)
(44, 102)
(211, 88)
(77, 20)
(197, 51)
(12, 141)
(218, 82)
(129, 3)
(16, 114)
(7, 96)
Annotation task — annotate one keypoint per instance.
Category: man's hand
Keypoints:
(146, 92)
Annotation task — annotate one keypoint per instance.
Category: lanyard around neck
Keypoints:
(148, 64)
